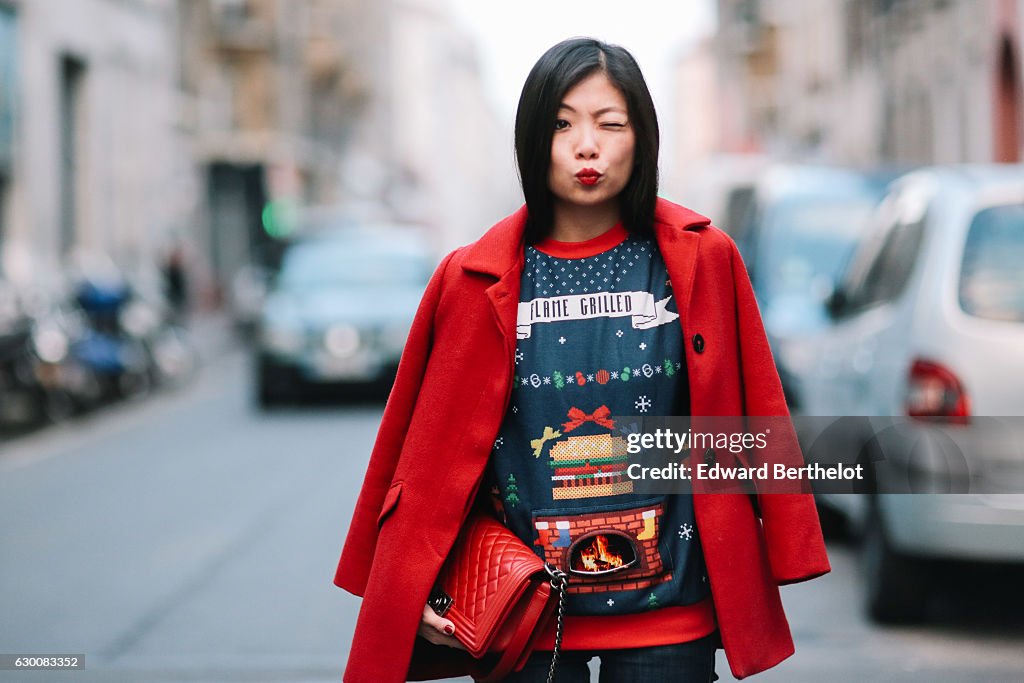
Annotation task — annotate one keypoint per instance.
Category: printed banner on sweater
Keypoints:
(640, 306)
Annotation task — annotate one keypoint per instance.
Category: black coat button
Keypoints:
(709, 457)
(698, 343)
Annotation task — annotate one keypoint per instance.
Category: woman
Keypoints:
(596, 298)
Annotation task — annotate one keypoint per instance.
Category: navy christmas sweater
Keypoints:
(599, 336)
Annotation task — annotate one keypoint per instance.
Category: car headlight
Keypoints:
(283, 339)
(341, 340)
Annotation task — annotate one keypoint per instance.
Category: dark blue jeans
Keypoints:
(692, 662)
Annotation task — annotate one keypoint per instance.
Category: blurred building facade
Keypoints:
(270, 93)
(869, 81)
(131, 126)
(444, 138)
(89, 153)
(376, 106)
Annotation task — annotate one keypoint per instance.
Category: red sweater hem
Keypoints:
(665, 626)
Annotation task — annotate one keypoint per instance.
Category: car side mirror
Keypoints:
(837, 302)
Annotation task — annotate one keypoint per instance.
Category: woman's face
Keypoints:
(593, 133)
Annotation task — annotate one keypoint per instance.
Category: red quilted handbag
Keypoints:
(499, 595)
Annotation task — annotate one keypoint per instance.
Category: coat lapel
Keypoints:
(678, 241)
(499, 254)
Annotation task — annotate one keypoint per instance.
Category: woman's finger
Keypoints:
(438, 630)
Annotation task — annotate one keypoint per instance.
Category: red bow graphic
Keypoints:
(578, 417)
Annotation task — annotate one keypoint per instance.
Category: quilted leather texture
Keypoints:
(487, 573)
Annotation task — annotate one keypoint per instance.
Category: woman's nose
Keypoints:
(586, 145)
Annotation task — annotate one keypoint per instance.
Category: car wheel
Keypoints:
(269, 385)
(266, 395)
(895, 587)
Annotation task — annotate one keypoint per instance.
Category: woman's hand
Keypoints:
(438, 630)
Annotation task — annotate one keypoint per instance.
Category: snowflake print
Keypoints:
(643, 404)
(643, 346)
(519, 356)
(525, 381)
(615, 374)
(657, 369)
(590, 378)
(686, 531)
(618, 333)
(498, 443)
(610, 602)
(515, 409)
(547, 380)
(561, 340)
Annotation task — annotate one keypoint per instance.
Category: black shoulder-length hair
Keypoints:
(554, 74)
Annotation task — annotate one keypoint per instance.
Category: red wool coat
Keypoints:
(448, 403)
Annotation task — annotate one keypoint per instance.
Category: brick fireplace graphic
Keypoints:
(605, 551)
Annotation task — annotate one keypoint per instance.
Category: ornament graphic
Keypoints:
(647, 370)
(535, 381)
(580, 379)
(558, 379)
(624, 375)
(602, 377)
(670, 369)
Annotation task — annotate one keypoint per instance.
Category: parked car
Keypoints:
(339, 311)
(926, 346)
(800, 227)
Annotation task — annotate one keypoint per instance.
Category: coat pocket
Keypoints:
(390, 501)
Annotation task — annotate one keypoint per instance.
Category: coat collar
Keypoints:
(500, 249)
(499, 253)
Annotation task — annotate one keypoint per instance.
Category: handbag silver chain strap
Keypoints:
(559, 579)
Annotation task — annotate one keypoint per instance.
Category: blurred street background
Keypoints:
(217, 217)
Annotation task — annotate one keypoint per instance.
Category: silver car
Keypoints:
(339, 311)
(927, 348)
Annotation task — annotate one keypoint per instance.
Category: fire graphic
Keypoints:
(598, 556)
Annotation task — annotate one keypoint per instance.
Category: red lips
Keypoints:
(588, 176)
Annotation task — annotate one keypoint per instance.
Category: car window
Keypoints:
(805, 239)
(991, 274)
(887, 275)
(319, 264)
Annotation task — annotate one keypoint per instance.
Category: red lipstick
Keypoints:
(588, 176)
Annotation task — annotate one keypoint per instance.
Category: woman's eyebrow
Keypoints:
(596, 113)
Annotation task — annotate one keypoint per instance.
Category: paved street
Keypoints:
(191, 538)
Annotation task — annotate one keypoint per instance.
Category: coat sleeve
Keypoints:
(796, 548)
(354, 566)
